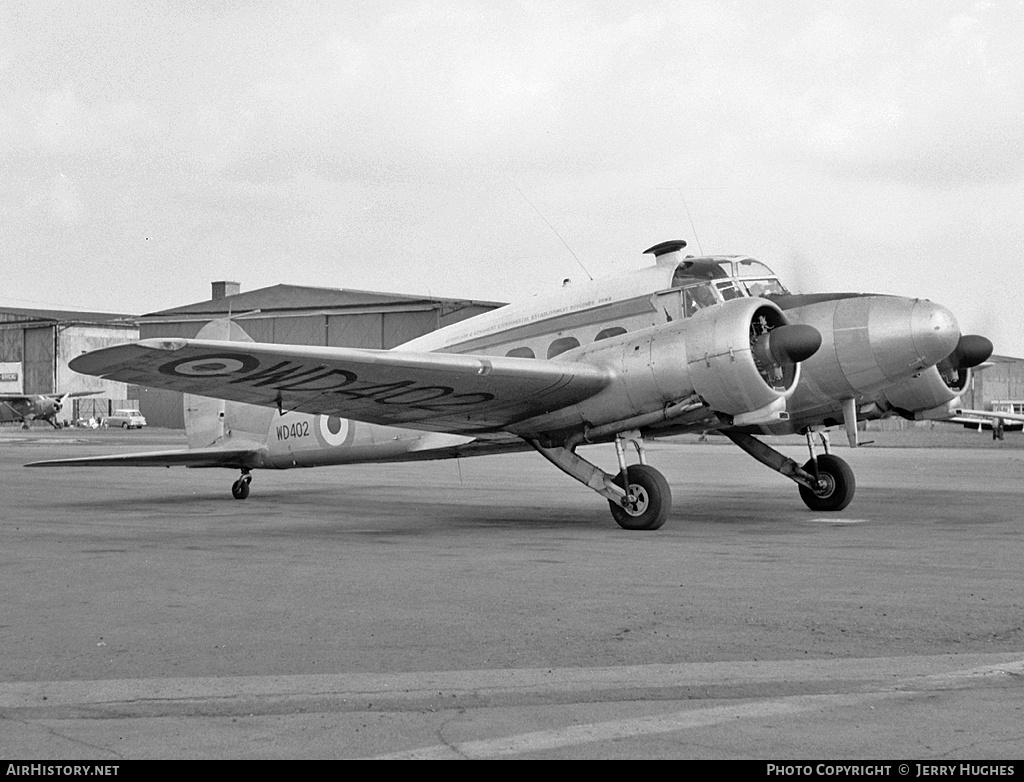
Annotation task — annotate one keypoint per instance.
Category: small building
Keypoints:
(301, 315)
(997, 385)
(36, 346)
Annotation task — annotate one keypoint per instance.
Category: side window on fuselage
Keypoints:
(614, 331)
(561, 345)
(521, 353)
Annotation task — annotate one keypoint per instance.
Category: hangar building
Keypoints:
(301, 315)
(36, 346)
(998, 385)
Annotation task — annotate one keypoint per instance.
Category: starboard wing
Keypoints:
(431, 391)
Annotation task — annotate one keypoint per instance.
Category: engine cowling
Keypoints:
(740, 358)
(921, 394)
(936, 391)
(744, 355)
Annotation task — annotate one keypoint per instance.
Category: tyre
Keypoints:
(836, 488)
(652, 495)
(240, 489)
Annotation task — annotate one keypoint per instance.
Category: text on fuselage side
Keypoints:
(525, 319)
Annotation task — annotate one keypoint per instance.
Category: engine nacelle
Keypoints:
(926, 393)
(734, 363)
(741, 358)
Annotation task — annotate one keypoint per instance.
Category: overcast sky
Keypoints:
(477, 149)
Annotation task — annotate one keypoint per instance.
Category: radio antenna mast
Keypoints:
(679, 192)
(549, 225)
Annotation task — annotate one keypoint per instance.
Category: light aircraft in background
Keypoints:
(34, 407)
(997, 421)
(687, 344)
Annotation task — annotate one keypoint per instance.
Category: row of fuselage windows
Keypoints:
(564, 344)
(694, 298)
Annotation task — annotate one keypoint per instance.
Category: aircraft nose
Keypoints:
(906, 335)
(934, 331)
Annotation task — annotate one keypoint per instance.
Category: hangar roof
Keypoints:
(23, 315)
(292, 298)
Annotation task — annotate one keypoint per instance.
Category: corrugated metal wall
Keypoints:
(12, 344)
(40, 367)
(1003, 382)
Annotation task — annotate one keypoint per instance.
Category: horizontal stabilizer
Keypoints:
(236, 458)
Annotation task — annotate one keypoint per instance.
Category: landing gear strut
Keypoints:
(639, 496)
(826, 482)
(240, 488)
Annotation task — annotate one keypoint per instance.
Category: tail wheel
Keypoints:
(652, 499)
(836, 484)
(240, 488)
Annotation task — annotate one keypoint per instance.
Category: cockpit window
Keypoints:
(764, 288)
(748, 267)
(697, 269)
(729, 290)
(697, 297)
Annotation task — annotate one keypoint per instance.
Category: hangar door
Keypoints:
(400, 327)
(39, 360)
(354, 331)
(286, 330)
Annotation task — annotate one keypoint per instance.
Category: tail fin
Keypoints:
(210, 421)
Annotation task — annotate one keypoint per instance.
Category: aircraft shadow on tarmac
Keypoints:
(341, 506)
(470, 505)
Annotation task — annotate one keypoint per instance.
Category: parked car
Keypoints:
(126, 419)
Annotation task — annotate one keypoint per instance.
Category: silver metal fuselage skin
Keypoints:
(660, 352)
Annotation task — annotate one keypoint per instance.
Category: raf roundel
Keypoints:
(332, 430)
(211, 366)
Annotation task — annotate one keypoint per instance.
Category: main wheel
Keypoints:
(836, 484)
(240, 489)
(652, 499)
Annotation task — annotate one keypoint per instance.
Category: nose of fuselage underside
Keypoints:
(875, 341)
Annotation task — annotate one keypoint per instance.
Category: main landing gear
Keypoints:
(826, 482)
(639, 496)
(240, 488)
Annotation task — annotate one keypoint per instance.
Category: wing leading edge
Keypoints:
(431, 391)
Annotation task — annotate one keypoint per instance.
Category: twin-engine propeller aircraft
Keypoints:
(684, 345)
(34, 407)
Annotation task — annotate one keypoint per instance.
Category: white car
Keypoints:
(126, 419)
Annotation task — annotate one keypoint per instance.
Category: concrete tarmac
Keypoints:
(491, 608)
